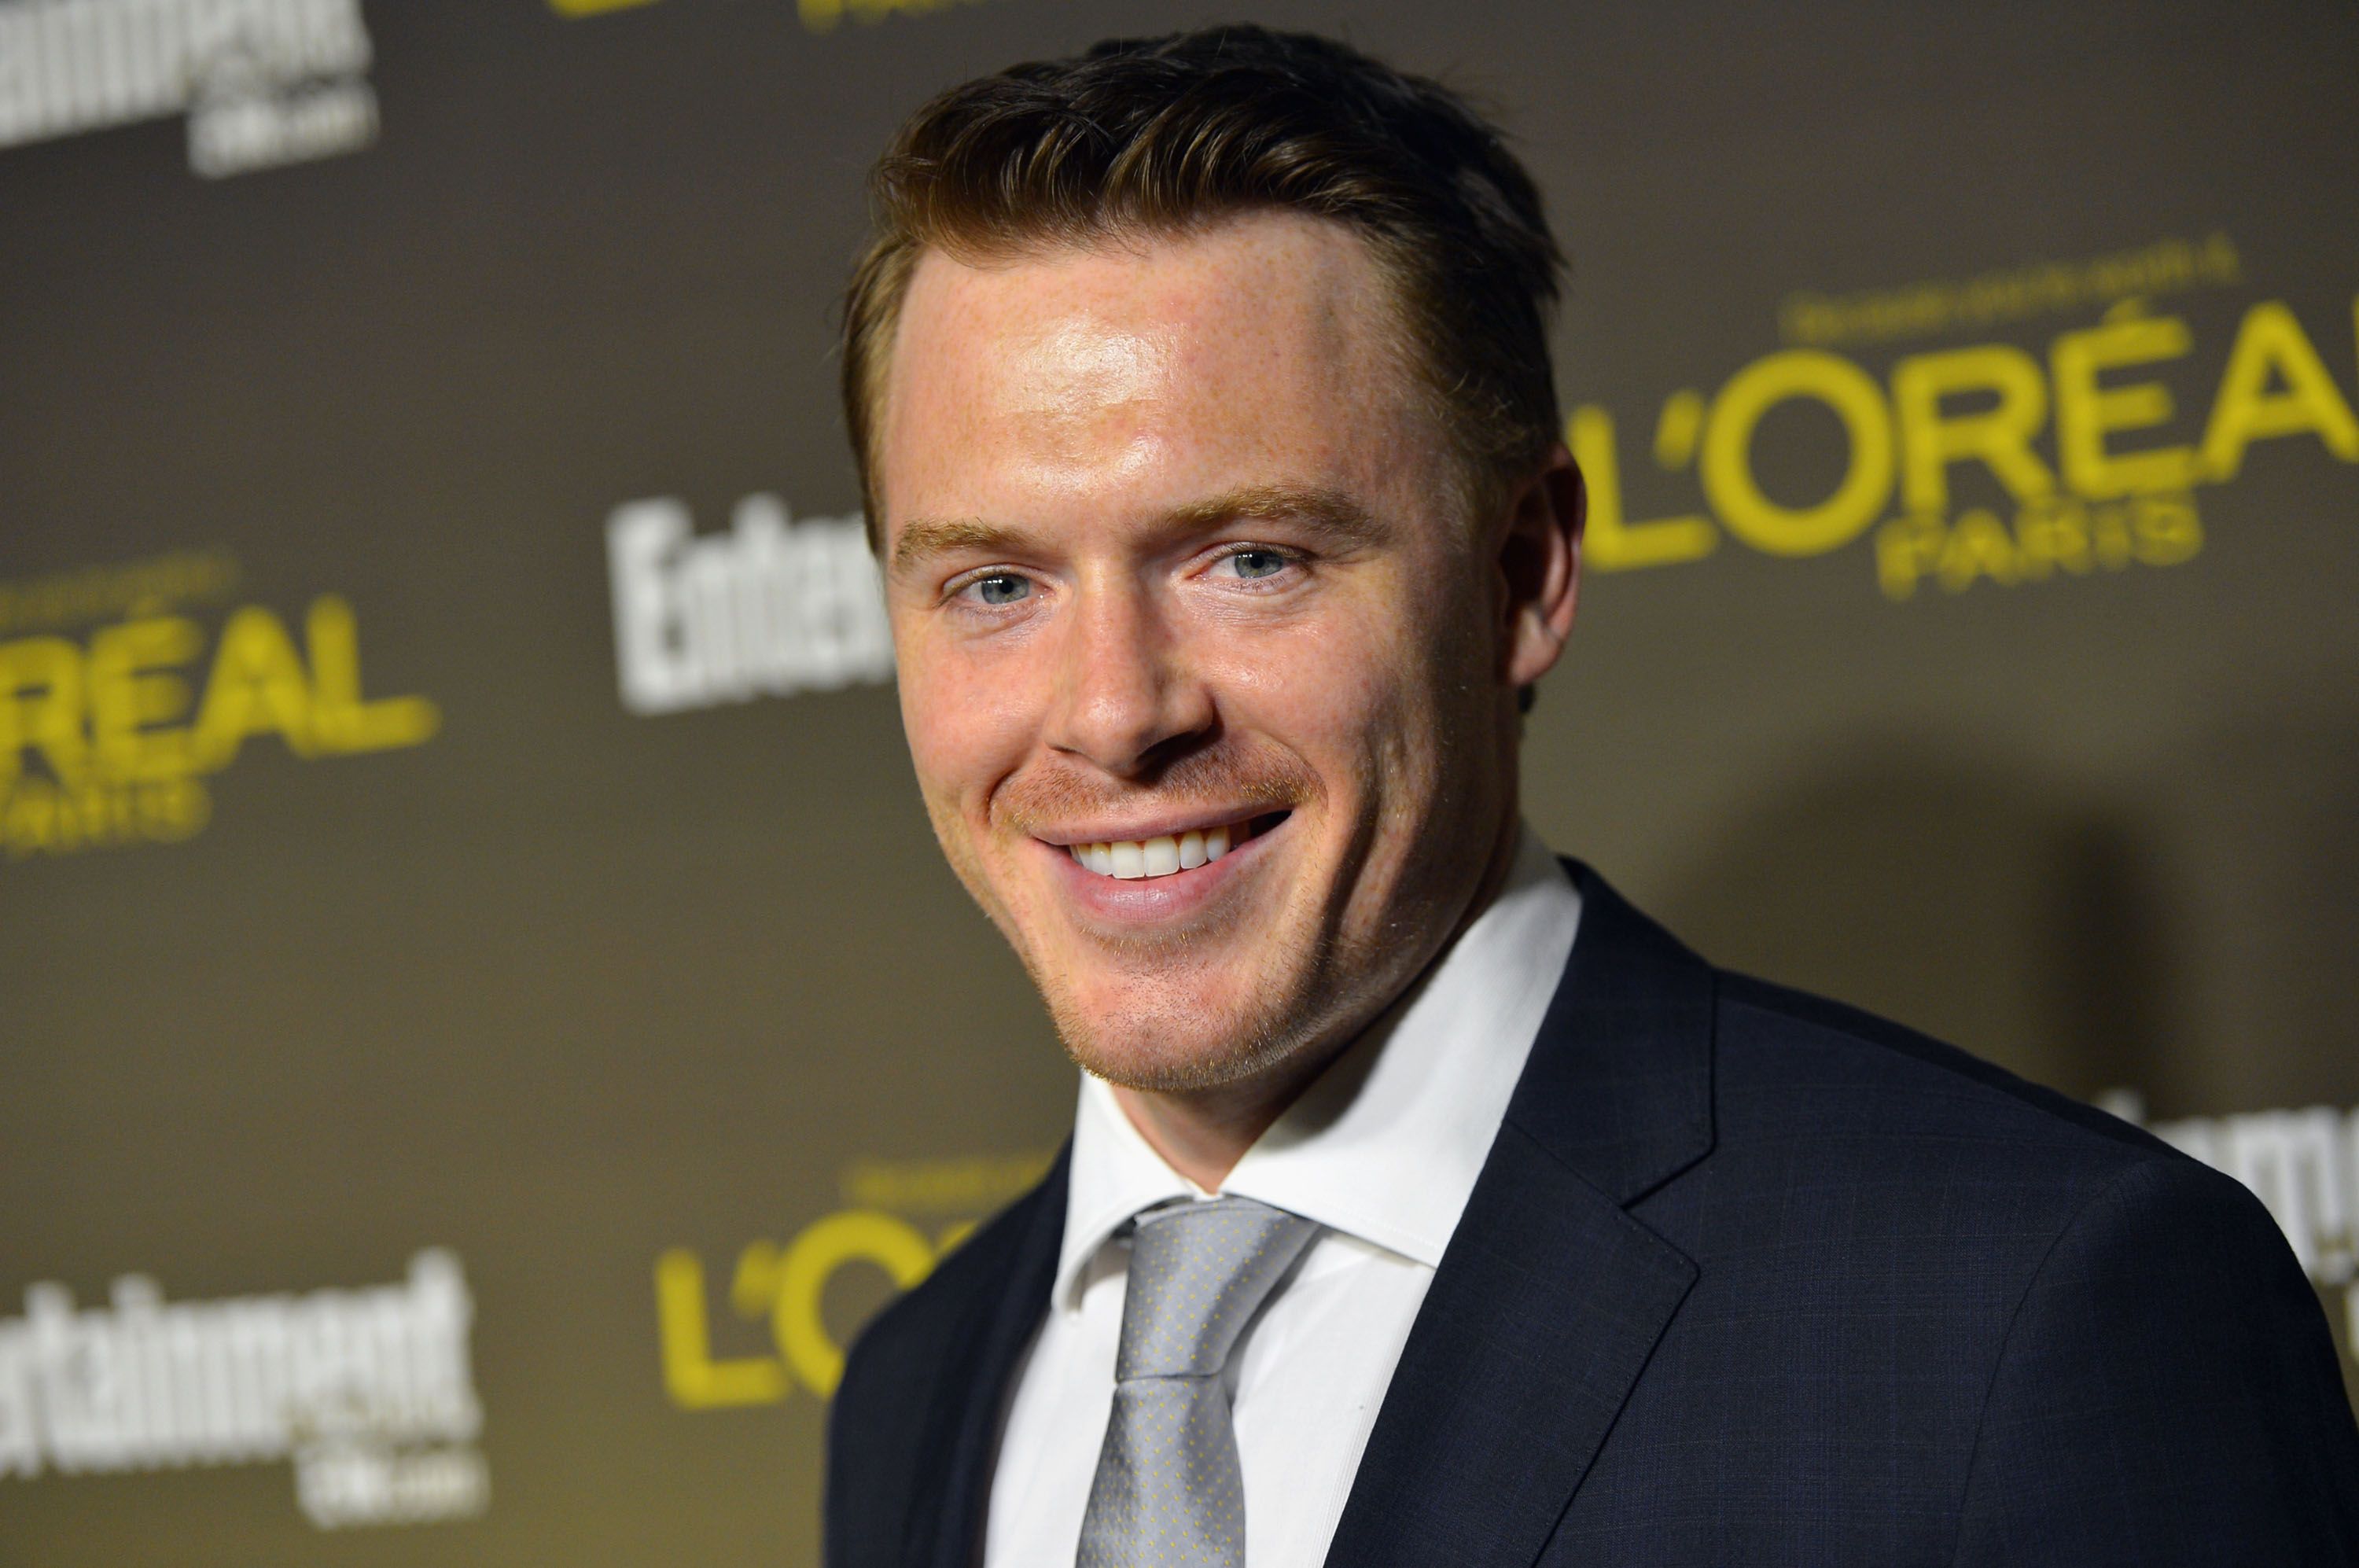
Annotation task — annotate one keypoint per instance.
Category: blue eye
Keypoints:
(1258, 562)
(1002, 588)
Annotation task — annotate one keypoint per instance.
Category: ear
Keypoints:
(1539, 561)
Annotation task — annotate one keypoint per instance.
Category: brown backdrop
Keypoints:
(484, 1015)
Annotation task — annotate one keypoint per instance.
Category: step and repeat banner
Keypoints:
(485, 1017)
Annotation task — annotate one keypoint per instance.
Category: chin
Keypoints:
(1177, 1048)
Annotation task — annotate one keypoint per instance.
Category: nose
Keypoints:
(1124, 692)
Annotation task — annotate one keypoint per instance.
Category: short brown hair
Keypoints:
(1164, 135)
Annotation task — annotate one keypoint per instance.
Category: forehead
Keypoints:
(1265, 344)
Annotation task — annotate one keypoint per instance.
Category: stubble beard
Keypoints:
(1162, 1041)
(1315, 983)
(1311, 993)
(1311, 999)
(1156, 1037)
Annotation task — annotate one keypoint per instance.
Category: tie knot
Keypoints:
(1197, 1273)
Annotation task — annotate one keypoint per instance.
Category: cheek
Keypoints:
(966, 722)
(1341, 691)
(1399, 691)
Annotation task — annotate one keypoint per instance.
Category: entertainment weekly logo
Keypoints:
(263, 82)
(369, 1392)
(773, 606)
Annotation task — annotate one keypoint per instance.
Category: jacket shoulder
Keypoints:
(1848, 1150)
(1788, 1059)
(1942, 1314)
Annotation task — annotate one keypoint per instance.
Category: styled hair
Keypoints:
(1166, 135)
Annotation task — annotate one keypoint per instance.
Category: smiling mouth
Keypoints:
(1134, 860)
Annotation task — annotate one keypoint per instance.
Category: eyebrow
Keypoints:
(1343, 522)
(924, 537)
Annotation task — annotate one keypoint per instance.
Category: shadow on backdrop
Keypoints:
(2189, 937)
(1956, 899)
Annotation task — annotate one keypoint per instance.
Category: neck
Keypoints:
(1203, 1133)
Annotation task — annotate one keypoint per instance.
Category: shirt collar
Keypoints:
(1387, 1143)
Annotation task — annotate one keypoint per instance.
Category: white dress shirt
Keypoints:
(1383, 1150)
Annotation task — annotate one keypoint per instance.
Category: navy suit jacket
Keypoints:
(1748, 1278)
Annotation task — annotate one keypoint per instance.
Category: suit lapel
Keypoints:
(1550, 1297)
(962, 1431)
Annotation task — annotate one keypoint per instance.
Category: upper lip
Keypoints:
(1142, 829)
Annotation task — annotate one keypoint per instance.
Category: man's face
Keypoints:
(1177, 564)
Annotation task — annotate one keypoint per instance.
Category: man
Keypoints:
(1425, 1204)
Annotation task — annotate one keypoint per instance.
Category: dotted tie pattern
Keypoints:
(1168, 1493)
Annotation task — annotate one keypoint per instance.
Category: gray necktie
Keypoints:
(1168, 1493)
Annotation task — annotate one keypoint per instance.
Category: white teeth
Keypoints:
(1134, 859)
